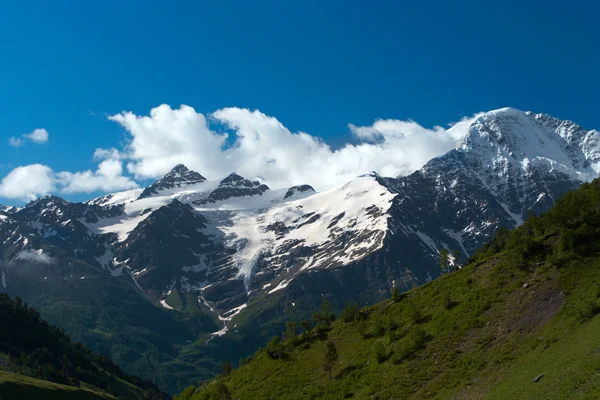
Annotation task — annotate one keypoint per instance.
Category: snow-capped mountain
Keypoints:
(231, 241)
(178, 179)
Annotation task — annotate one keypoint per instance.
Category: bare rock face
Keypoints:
(179, 177)
(234, 186)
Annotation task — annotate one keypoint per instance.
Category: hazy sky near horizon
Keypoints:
(104, 96)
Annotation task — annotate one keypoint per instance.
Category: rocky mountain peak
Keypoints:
(234, 185)
(295, 190)
(48, 201)
(180, 176)
(232, 178)
(520, 139)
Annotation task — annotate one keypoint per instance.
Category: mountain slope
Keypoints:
(14, 386)
(29, 346)
(519, 321)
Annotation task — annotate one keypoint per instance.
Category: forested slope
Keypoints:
(37, 359)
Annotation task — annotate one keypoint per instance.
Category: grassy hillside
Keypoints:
(13, 386)
(38, 360)
(519, 321)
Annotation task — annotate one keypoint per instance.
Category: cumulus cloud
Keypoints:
(35, 180)
(108, 177)
(39, 136)
(169, 137)
(35, 256)
(28, 182)
(264, 148)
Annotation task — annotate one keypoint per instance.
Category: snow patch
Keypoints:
(283, 284)
(165, 305)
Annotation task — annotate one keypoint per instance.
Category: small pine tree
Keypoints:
(226, 368)
(331, 356)
(444, 260)
(222, 392)
(456, 256)
(395, 294)
(274, 348)
(290, 330)
(350, 312)
(325, 317)
(305, 325)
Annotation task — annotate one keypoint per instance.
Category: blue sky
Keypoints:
(315, 66)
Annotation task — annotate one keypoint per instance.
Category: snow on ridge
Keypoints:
(113, 199)
(511, 136)
(313, 221)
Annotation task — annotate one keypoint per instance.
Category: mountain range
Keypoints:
(198, 265)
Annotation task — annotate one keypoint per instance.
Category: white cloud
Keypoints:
(107, 178)
(39, 136)
(15, 141)
(35, 256)
(28, 182)
(168, 137)
(264, 148)
(32, 181)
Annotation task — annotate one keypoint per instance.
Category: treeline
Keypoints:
(38, 349)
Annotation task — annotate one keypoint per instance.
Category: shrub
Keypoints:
(275, 349)
(446, 300)
(412, 342)
(361, 327)
(413, 312)
(379, 351)
(390, 323)
(350, 313)
(586, 309)
(378, 328)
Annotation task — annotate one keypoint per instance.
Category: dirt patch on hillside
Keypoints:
(525, 311)
(536, 309)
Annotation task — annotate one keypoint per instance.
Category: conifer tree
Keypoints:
(395, 294)
(444, 260)
(331, 356)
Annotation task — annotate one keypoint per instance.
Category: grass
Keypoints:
(174, 300)
(13, 386)
(484, 332)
